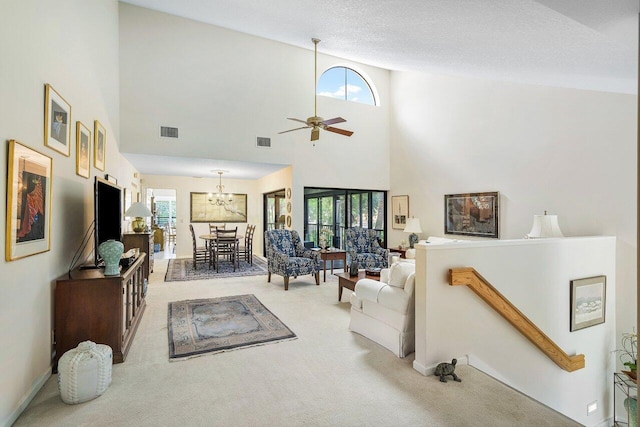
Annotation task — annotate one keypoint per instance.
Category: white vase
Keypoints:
(111, 251)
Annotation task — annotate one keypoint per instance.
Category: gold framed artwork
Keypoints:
(28, 223)
(203, 210)
(57, 121)
(83, 150)
(399, 211)
(99, 145)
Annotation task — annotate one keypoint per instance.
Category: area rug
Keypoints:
(181, 269)
(214, 325)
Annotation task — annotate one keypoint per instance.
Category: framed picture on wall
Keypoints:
(399, 211)
(28, 226)
(57, 122)
(205, 210)
(83, 150)
(99, 145)
(588, 298)
(472, 214)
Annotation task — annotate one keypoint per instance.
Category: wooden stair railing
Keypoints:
(478, 284)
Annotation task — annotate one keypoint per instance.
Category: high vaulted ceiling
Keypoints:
(584, 44)
(587, 44)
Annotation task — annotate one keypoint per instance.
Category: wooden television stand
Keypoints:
(103, 309)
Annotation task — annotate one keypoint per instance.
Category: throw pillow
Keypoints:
(399, 272)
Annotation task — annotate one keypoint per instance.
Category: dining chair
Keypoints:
(225, 246)
(200, 253)
(213, 227)
(246, 251)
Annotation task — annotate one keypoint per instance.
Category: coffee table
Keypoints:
(349, 282)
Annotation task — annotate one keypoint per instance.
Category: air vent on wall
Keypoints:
(167, 132)
(261, 141)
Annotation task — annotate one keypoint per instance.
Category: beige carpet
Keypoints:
(329, 376)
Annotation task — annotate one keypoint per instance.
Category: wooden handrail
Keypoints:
(478, 284)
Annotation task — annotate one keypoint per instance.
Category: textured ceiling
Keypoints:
(584, 44)
(587, 44)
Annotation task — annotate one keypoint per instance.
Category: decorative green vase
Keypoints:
(631, 405)
(111, 251)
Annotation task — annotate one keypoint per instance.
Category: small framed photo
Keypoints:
(588, 300)
(57, 122)
(472, 214)
(28, 226)
(99, 145)
(399, 211)
(83, 150)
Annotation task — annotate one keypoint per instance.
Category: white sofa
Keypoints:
(384, 311)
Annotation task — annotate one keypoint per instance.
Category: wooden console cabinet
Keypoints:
(143, 241)
(99, 308)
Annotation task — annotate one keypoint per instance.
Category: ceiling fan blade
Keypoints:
(291, 130)
(340, 131)
(315, 134)
(333, 121)
(297, 120)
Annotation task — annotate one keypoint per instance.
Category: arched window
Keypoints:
(345, 83)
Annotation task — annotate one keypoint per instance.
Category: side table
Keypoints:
(623, 387)
(332, 255)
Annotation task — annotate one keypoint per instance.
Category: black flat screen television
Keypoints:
(107, 209)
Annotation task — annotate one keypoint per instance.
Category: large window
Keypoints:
(345, 83)
(337, 209)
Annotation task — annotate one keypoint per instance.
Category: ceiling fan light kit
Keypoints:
(315, 122)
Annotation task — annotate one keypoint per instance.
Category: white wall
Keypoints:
(186, 185)
(535, 275)
(72, 45)
(571, 152)
(222, 89)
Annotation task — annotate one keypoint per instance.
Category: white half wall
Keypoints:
(535, 276)
(570, 152)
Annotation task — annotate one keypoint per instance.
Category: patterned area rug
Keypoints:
(215, 325)
(181, 269)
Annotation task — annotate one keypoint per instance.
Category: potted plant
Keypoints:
(629, 354)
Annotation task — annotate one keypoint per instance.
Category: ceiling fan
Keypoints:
(314, 122)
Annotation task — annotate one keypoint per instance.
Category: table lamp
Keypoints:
(139, 211)
(413, 227)
(544, 226)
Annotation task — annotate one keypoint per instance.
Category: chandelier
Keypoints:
(220, 198)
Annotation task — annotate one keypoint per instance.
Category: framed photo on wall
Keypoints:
(57, 122)
(99, 145)
(28, 223)
(399, 211)
(83, 150)
(472, 214)
(588, 300)
(203, 210)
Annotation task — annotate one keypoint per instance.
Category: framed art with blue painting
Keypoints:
(57, 122)
(28, 227)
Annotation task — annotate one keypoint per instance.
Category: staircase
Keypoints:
(470, 277)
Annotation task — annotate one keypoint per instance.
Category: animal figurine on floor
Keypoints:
(443, 369)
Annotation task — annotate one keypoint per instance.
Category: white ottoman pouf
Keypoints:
(84, 372)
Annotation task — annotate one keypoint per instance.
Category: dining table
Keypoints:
(210, 240)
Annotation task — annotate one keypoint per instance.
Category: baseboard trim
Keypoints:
(24, 402)
(429, 370)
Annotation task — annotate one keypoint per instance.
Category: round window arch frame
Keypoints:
(363, 75)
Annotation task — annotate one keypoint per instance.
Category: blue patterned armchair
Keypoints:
(362, 246)
(287, 256)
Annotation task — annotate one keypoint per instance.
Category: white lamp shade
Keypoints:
(138, 209)
(545, 226)
(413, 226)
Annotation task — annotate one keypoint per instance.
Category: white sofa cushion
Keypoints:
(399, 272)
(368, 289)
